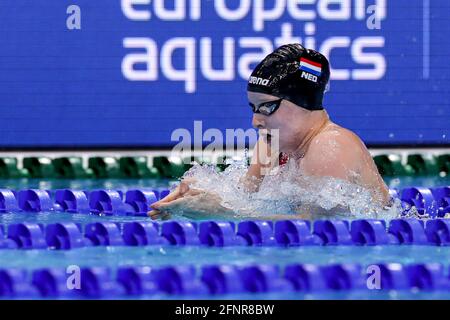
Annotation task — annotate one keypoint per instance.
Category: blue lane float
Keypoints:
(438, 232)
(64, 236)
(139, 202)
(219, 234)
(104, 234)
(408, 231)
(137, 280)
(106, 202)
(295, 233)
(257, 233)
(103, 282)
(442, 197)
(428, 277)
(180, 233)
(371, 232)
(72, 201)
(289, 233)
(333, 232)
(14, 283)
(344, 277)
(179, 280)
(98, 282)
(306, 277)
(420, 198)
(222, 279)
(53, 282)
(27, 236)
(434, 202)
(142, 234)
(8, 201)
(393, 276)
(264, 279)
(34, 200)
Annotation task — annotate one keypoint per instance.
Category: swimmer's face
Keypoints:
(290, 120)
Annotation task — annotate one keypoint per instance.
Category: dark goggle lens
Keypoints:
(266, 108)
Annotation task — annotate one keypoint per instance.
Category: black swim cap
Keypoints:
(294, 73)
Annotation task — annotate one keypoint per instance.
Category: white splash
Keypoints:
(284, 191)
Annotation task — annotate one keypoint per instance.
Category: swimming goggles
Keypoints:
(266, 108)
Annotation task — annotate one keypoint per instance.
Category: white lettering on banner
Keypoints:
(137, 10)
(262, 14)
(187, 74)
(302, 10)
(227, 73)
(344, 11)
(132, 13)
(295, 7)
(376, 59)
(196, 10)
(177, 14)
(186, 59)
(310, 30)
(261, 48)
(287, 36)
(248, 59)
(148, 58)
(326, 48)
(232, 15)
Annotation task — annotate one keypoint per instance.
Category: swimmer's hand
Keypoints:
(189, 202)
(158, 207)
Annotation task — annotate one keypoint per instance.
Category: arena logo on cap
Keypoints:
(311, 70)
(259, 81)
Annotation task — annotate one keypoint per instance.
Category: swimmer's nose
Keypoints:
(258, 121)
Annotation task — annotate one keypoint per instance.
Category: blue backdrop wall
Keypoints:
(129, 72)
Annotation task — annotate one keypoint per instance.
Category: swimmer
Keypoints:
(285, 92)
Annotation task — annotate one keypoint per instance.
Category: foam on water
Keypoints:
(284, 191)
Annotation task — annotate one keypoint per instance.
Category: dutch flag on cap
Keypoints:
(310, 66)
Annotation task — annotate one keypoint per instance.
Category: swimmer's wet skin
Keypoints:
(285, 92)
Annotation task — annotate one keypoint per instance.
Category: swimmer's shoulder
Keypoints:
(337, 138)
(331, 153)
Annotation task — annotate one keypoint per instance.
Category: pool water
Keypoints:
(156, 255)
